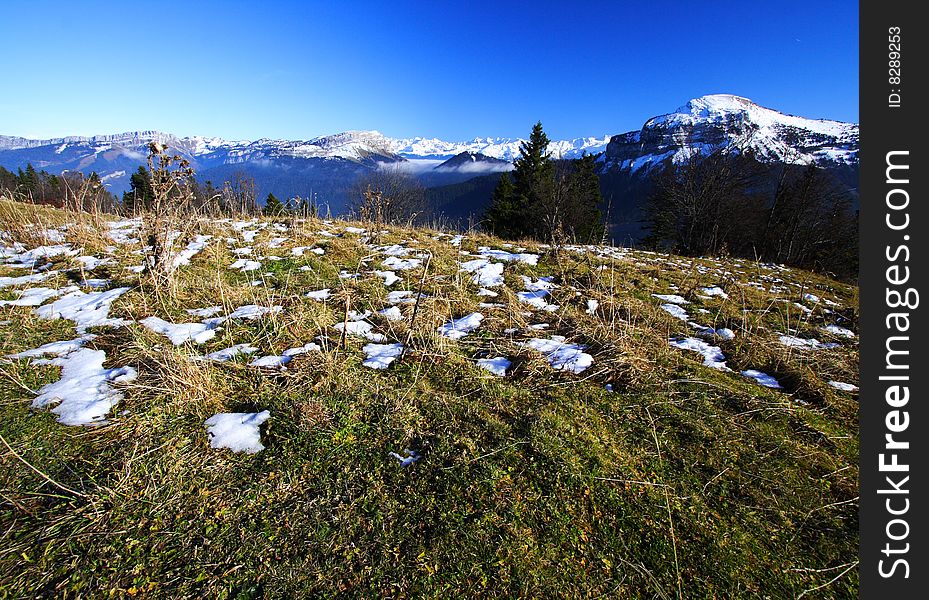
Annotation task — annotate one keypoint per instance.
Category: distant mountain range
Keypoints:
(327, 166)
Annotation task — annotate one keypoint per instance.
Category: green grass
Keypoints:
(684, 481)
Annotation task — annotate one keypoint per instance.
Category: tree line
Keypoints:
(729, 203)
(72, 189)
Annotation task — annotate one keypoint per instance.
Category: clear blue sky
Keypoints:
(453, 70)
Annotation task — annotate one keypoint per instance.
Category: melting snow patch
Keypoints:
(379, 356)
(842, 331)
(89, 263)
(411, 457)
(279, 361)
(715, 291)
(845, 387)
(762, 379)
(497, 365)
(236, 431)
(672, 298)
(57, 348)
(34, 278)
(812, 343)
(675, 311)
(592, 306)
(204, 312)
(83, 393)
(181, 332)
(485, 273)
(37, 296)
(400, 297)
(529, 259)
(389, 277)
(712, 356)
(253, 311)
(193, 248)
(228, 354)
(488, 293)
(360, 329)
(401, 264)
(561, 355)
(458, 328)
(391, 313)
(319, 295)
(245, 265)
(86, 310)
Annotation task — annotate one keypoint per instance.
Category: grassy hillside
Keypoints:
(647, 474)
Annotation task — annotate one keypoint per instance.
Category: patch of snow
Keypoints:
(319, 295)
(209, 311)
(562, 355)
(391, 313)
(458, 328)
(24, 279)
(228, 354)
(193, 248)
(37, 296)
(253, 311)
(812, 343)
(360, 329)
(236, 431)
(841, 331)
(712, 356)
(762, 379)
(845, 387)
(715, 291)
(497, 365)
(675, 311)
(180, 332)
(401, 264)
(411, 457)
(245, 265)
(672, 298)
(390, 277)
(83, 394)
(379, 356)
(592, 306)
(85, 309)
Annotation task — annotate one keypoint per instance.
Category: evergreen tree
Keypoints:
(141, 194)
(273, 206)
(504, 217)
(583, 219)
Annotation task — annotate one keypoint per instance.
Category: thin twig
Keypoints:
(44, 476)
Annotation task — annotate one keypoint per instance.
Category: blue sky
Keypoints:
(453, 70)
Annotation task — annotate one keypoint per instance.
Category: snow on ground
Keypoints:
(379, 356)
(319, 295)
(389, 277)
(762, 378)
(411, 457)
(193, 248)
(400, 297)
(497, 365)
(529, 259)
(812, 343)
(672, 298)
(714, 291)
(37, 296)
(391, 313)
(845, 387)
(209, 311)
(89, 309)
(227, 354)
(279, 362)
(360, 329)
(592, 306)
(83, 395)
(401, 264)
(841, 331)
(29, 258)
(236, 431)
(562, 355)
(458, 328)
(253, 311)
(484, 273)
(89, 263)
(712, 356)
(57, 348)
(24, 279)
(244, 265)
(180, 332)
(675, 311)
